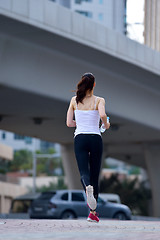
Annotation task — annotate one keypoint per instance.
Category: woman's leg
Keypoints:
(82, 157)
(96, 148)
(83, 146)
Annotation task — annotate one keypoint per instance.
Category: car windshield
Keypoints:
(47, 195)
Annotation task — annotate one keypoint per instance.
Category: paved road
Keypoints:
(78, 229)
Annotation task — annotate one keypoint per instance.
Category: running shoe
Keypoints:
(91, 201)
(93, 218)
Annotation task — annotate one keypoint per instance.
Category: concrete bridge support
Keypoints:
(152, 157)
(70, 166)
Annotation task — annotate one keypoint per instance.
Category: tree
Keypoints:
(22, 161)
(48, 165)
(132, 193)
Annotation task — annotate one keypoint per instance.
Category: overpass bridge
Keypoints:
(44, 49)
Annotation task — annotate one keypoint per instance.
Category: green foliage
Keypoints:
(47, 165)
(3, 166)
(49, 151)
(132, 193)
(52, 186)
(134, 170)
(3, 171)
(22, 161)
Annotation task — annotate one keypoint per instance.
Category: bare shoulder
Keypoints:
(73, 102)
(73, 99)
(100, 99)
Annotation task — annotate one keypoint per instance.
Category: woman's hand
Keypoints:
(108, 125)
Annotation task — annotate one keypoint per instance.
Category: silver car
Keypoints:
(69, 204)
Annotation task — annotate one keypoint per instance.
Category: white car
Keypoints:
(110, 197)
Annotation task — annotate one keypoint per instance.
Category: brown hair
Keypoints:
(86, 83)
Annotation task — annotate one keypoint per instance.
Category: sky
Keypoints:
(135, 19)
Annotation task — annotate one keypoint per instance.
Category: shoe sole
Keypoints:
(91, 220)
(91, 201)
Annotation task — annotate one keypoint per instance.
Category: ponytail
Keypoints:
(85, 84)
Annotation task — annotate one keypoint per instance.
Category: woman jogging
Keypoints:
(88, 110)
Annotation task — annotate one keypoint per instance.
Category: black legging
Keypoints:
(88, 150)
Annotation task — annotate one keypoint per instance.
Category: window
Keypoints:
(28, 140)
(3, 135)
(78, 197)
(85, 13)
(78, 1)
(65, 197)
(47, 195)
(18, 137)
(100, 17)
(100, 1)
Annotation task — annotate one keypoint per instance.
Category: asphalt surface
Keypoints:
(17, 229)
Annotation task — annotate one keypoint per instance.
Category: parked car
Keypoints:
(20, 206)
(69, 204)
(22, 203)
(110, 197)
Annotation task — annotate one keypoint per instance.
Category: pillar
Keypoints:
(152, 158)
(70, 166)
(3, 204)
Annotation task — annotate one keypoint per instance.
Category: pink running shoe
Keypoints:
(93, 218)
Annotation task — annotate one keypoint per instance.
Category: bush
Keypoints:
(132, 193)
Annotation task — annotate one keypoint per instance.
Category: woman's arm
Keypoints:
(70, 113)
(102, 113)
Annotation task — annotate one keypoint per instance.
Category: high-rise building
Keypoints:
(152, 24)
(18, 142)
(110, 13)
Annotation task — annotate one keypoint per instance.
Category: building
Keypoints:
(152, 24)
(110, 13)
(18, 142)
(7, 190)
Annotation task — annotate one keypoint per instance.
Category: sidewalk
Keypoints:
(78, 229)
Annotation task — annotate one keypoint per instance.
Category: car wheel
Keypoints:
(68, 215)
(120, 216)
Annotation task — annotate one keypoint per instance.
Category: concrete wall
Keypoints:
(27, 182)
(52, 17)
(6, 152)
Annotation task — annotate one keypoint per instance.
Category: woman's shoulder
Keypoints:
(100, 98)
(73, 98)
(73, 102)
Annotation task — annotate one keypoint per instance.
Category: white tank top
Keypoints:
(87, 121)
